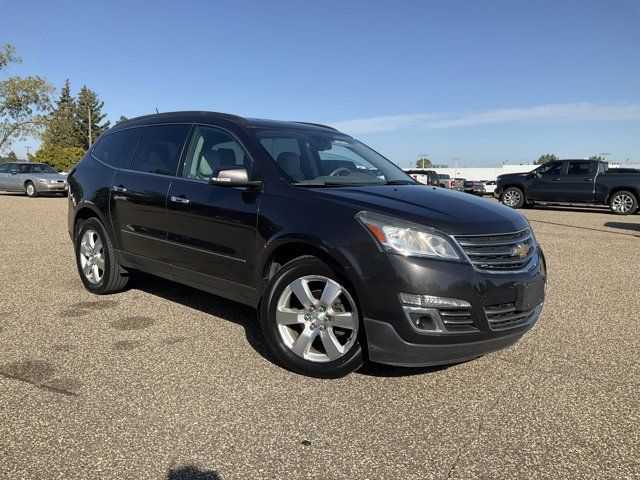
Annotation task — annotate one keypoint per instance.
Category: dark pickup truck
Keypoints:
(576, 182)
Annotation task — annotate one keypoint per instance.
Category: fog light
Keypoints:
(431, 301)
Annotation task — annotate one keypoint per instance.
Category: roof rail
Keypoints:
(318, 125)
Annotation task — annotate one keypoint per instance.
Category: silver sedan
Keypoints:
(31, 178)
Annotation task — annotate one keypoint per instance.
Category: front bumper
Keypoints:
(494, 317)
(51, 187)
(386, 346)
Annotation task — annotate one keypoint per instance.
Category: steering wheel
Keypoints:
(336, 172)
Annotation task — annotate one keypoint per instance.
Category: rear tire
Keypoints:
(623, 203)
(98, 267)
(319, 335)
(30, 190)
(512, 197)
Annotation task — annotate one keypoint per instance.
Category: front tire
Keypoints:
(98, 267)
(512, 197)
(623, 203)
(30, 190)
(311, 320)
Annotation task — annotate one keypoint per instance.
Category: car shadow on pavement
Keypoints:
(561, 208)
(634, 227)
(209, 304)
(192, 473)
(246, 317)
(372, 369)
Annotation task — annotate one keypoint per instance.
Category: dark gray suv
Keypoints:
(344, 256)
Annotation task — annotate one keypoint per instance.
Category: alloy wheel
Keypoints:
(91, 256)
(622, 203)
(30, 189)
(511, 198)
(317, 318)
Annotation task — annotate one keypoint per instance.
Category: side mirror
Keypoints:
(14, 172)
(233, 177)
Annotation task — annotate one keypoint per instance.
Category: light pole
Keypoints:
(455, 160)
(421, 157)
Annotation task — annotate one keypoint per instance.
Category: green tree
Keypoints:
(60, 129)
(423, 162)
(598, 158)
(547, 157)
(12, 157)
(88, 111)
(24, 102)
(122, 119)
(60, 158)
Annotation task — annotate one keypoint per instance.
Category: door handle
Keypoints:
(588, 179)
(179, 199)
(557, 179)
(119, 189)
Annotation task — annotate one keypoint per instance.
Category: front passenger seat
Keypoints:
(289, 162)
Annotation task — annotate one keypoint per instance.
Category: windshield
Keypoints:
(317, 159)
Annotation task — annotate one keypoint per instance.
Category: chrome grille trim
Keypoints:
(497, 253)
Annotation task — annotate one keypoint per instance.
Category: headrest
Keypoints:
(227, 157)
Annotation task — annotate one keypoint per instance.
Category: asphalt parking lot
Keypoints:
(163, 381)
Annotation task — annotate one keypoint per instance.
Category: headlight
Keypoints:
(406, 238)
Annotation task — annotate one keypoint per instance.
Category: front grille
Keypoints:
(457, 319)
(499, 253)
(505, 315)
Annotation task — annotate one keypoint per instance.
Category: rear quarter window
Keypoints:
(116, 148)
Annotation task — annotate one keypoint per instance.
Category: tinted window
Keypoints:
(42, 168)
(552, 168)
(116, 148)
(579, 168)
(212, 150)
(159, 149)
(4, 168)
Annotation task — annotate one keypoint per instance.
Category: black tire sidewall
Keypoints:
(95, 225)
(288, 273)
(634, 207)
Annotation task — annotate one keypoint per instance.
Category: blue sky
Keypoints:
(485, 81)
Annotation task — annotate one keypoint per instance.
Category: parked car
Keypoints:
(489, 187)
(458, 184)
(469, 186)
(428, 177)
(445, 180)
(575, 182)
(341, 265)
(31, 178)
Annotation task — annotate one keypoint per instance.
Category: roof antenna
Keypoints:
(157, 110)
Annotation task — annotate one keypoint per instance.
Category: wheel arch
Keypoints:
(630, 189)
(86, 210)
(284, 250)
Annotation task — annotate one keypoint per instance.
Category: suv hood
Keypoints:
(449, 211)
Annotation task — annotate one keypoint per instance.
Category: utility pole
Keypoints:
(28, 148)
(89, 114)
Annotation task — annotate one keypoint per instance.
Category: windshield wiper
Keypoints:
(399, 182)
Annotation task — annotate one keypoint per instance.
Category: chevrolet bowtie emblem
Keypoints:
(520, 250)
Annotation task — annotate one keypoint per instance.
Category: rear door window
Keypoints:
(4, 168)
(579, 168)
(116, 148)
(159, 149)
